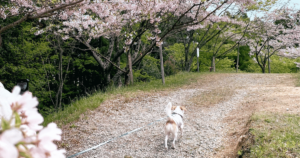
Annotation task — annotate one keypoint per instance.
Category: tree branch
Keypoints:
(43, 14)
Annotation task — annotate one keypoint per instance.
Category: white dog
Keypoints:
(174, 123)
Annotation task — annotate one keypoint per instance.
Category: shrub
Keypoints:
(150, 66)
(170, 68)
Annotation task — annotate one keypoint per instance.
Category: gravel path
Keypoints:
(203, 132)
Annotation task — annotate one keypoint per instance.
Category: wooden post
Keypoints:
(162, 64)
(238, 58)
(197, 59)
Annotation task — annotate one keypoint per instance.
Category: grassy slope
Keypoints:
(275, 135)
(73, 111)
(297, 76)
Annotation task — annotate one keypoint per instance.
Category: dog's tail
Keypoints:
(168, 109)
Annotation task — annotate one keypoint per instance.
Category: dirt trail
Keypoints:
(219, 107)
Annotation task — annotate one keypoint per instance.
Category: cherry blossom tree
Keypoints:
(154, 19)
(212, 34)
(275, 33)
(85, 20)
(226, 42)
(14, 12)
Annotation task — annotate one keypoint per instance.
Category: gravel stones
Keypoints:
(204, 129)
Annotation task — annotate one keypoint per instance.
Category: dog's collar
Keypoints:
(177, 114)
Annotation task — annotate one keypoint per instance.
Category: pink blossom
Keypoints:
(157, 39)
(29, 136)
(45, 143)
(33, 119)
(2, 14)
(5, 110)
(8, 139)
(268, 38)
(25, 105)
(128, 41)
(65, 37)
(37, 145)
(27, 102)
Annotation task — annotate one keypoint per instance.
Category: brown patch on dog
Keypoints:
(173, 107)
(183, 108)
(171, 121)
(174, 125)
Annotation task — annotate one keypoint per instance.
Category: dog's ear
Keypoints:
(183, 108)
(173, 107)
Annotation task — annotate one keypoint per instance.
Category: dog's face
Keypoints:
(178, 108)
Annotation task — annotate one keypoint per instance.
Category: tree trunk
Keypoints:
(186, 58)
(137, 49)
(61, 77)
(0, 41)
(119, 78)
(199, 65)
(238, 58)
(108, 79)
(130, 75)
(186, 65)
(191, 60)
(162, 64)
(269, 68)
(59, 91)
(213, 66)
(127, 81)
(186, 50)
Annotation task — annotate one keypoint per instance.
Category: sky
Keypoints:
(295, 2)
(292, 3)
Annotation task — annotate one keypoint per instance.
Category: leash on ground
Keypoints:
(135, 130)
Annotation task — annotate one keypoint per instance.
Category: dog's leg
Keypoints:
(175, 138)
(166, 142)
(181, 130)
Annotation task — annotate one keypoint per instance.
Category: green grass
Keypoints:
(73, 111)
(275, 136)
(297, 76)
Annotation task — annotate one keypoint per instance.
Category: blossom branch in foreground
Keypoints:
(21, 134)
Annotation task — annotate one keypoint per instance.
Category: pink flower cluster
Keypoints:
(266, 37)
(21, 134)
(107, 18)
